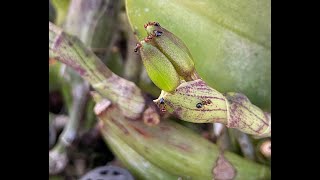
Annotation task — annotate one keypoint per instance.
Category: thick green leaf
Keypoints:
(229, 40)
(61, 8)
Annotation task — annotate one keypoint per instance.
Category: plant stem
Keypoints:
(60, 121)
(133, 65)
(178, 151)
(174, 148)
(93, 23)
(223, 139)
(85, 20)
(71, 51)
(136, 163)
(57, 156)
(245, 144)
(196, 102)
(80, 96)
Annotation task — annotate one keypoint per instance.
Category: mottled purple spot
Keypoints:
(140, 131)
(57, 42)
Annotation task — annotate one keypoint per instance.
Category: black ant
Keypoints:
(138, 46)
(162, 105)
(157, 33)
(202, 103)
(151, 24)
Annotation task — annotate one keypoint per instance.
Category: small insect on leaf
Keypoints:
(162, 105)
(199, 105)
(206, 102)
(138, 46)
(161, 101)
(157, 33)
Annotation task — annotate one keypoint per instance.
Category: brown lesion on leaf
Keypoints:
(104, 108)
(120, 126)
(140, 131)
(180, 145)
(150, 116)
(223, 169)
